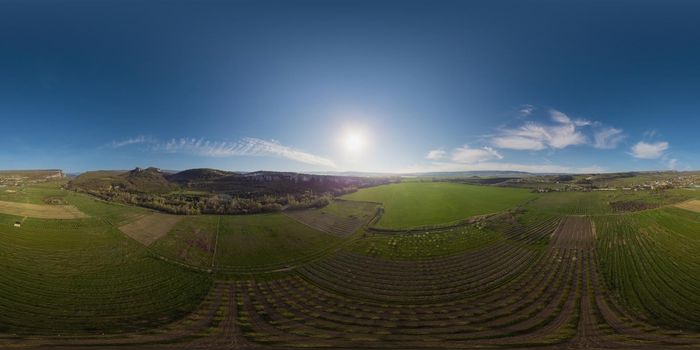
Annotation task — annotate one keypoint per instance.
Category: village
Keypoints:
(591, 183)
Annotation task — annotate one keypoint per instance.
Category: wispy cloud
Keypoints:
(132, 141)
(248, 146)
(436, 154)
(650, 133)
(607, 138)
(497, 166)
(644, 150)
(526, 110)
(672, 163)
(535, 136)
(465, 154)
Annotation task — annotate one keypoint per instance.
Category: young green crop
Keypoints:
(650, 261)
(266, 239)
(412, 204)
(84, 276)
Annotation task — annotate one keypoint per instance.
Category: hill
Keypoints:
(149, 180)
(215, 191)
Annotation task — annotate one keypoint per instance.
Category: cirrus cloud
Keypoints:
(248, 146)
(607, 138)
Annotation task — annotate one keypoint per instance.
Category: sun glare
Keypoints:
(354, 141)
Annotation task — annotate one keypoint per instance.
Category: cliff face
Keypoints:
(36, 175)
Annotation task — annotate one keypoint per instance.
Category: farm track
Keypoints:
(506, 295)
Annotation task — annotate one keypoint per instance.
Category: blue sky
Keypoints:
(549, 86)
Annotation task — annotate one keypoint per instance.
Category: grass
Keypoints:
(598, 202)
(427, 244)
(34, 193)
(84, 276)
(350, 209)
(42, 211)
(266, 239)
(651, 263)
(191, 241)
(412, 204)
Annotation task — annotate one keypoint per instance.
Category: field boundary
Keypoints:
(216, 241)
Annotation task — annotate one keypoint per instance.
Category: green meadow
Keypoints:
(410, 204)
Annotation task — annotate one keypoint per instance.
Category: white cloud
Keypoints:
(436, 154)
(644, 150)
(245, 147)
(534, 136)
(465, 154)
(531, 168)
(562, 133)
(607, 138)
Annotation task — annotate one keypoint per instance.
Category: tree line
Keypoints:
(189, 204)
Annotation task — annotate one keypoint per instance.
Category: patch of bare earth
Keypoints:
(150, 228)
(692, 205)
(41, 211)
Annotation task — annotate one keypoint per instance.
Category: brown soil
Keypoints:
(149, 228)
(41, 211)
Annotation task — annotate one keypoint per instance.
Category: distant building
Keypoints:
(18, 224)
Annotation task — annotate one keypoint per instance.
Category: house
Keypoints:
(18, 224)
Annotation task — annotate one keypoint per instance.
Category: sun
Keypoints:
(354, 141)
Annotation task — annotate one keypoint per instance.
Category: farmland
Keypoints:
(267, 239)
(651, 264)
(692, 205)
(83, 276)
(545, 270)
(42, 211)
(427, 203)
(148, 228)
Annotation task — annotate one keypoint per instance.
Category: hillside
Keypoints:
(215, 191)
(150, 180)
(153, 181)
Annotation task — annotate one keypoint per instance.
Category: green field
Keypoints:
(191, 241)
(529, 276)
(651, 263)
(38, 193)
(599, 202)
(412, 204)
(419, 245)
(267, 239)
(84, 276)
